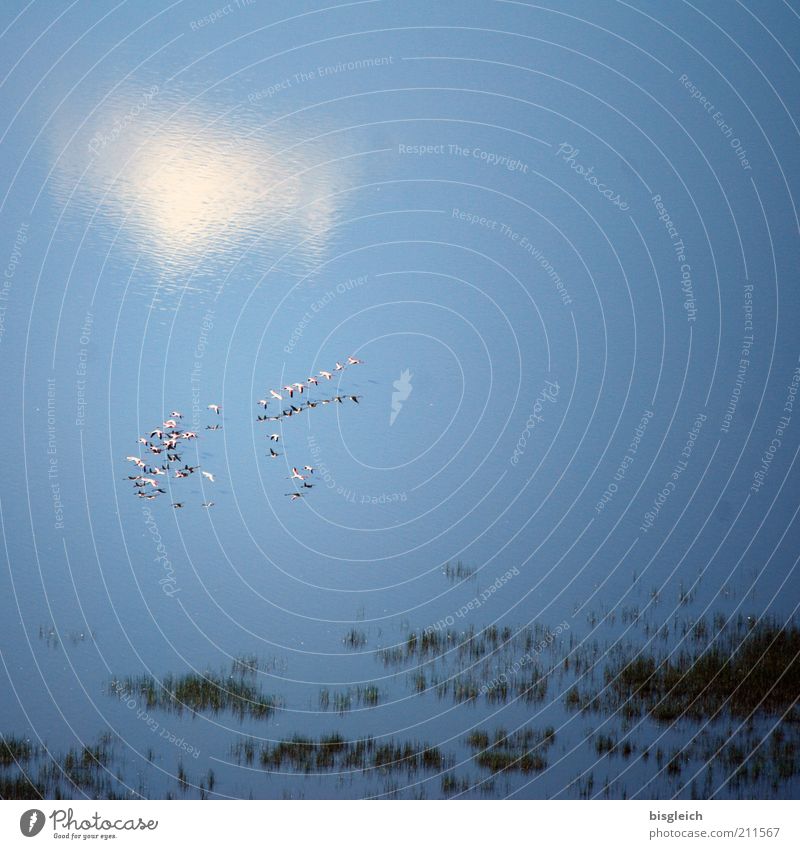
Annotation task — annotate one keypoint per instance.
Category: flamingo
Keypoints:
(176, 415)
(296, 475)
(354, 398)
(309, 469)
(276, 394)
(290, 390)
(273, 453)
(170, 423)
(326, 374)
(299, 387)
(313, 380)
(213, 427)
(262, 402)
(354, 362)
(338, 367)
(208, 475)
(294, 495)
(215, 407)
(207, 504)
(274, 437)
(177, 505)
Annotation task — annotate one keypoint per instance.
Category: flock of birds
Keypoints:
(165, 443)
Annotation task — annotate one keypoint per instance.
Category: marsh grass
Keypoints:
(332, 752)
(210, 692)
(523, 751)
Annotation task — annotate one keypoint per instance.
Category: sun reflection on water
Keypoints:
(193, 192)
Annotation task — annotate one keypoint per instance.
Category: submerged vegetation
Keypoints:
(691, 708)
(333, 752)
(523, 750)
(194, 692)
(745, 668)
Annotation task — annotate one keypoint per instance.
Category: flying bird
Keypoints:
(215, 407)
(354, 362)
(208, 475)
(274, 437)
(326, 374)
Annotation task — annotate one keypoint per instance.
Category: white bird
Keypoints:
(309, 469)
(299, 387)
(290, 390)
(189, 434)
(313, 380)
(208, 475)
(354, 362)
(263, 403)
(294, 495)
(273, 453)
(207, 504)
(276, 394)
(176, 415)
(215, 407)
(338, 367)
(274, 437)
(296, 475)
(326, 374)
(143, 440)
(170, 423)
